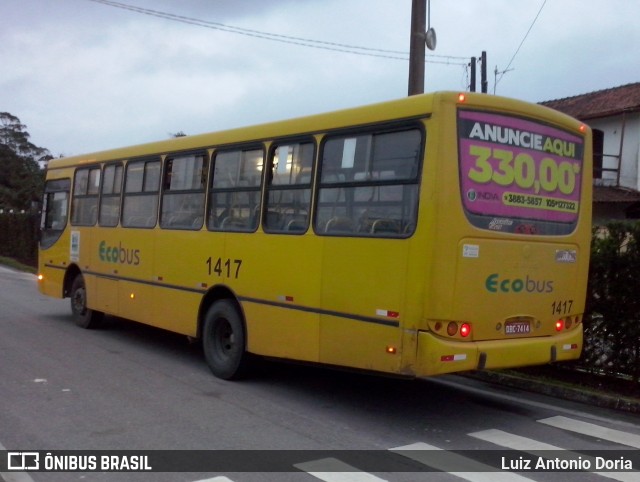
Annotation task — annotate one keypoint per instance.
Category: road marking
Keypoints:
(516, 442)
(593, 430)
(512, 441)
(14, 476)
(220, 478)
(339, 471)
(442, 460)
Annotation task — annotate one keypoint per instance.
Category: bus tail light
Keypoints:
(559, 325)
(465, 330)
(452, 328)
(457, 328)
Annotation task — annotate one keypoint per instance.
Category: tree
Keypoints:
(21, 179)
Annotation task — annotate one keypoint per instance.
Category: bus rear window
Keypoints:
(518, 175)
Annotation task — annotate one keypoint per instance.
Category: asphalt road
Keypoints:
(132, 387)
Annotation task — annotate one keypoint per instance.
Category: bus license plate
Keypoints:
(517, 327)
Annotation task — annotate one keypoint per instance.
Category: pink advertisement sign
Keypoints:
(514, 169)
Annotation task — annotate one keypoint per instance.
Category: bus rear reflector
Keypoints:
(448, 358)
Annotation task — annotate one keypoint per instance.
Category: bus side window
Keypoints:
(369, 184)
(55, 208)
(234, 198)
(140, 204)
(183, 191)
(84, 204)
(288, 197)
(110, 196)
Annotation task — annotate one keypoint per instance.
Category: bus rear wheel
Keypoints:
(83, 316)
(223, 341)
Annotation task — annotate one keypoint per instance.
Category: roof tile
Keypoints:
(601, 103)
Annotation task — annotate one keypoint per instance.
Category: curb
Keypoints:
(557, 390)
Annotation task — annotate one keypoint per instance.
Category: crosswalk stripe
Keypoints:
(442, 460)
(618, 436)
(517, 442)
(220, 478)
(339, 471)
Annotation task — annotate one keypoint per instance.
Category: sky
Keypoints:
(89, 75)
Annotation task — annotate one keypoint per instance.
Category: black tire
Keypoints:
(223, 341)
(83, 316)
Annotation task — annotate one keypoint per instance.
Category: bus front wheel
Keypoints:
(223, 341)
(83, 316)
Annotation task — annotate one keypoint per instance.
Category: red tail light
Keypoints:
(465, 329)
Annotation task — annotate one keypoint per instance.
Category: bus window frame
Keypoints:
(345, 226)
(213, 191)
(111, 195)
(291, 227)
(87, 195)
(167, 191)
(49, 236)
(144, 160)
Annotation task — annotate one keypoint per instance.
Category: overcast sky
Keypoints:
(86, 76)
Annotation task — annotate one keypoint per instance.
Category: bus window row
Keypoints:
(367, 185)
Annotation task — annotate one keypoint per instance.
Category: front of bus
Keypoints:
(510, 250)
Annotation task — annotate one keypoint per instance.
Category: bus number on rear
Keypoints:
(561, 307)
(229, 268)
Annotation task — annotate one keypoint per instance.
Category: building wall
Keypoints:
(630, 166)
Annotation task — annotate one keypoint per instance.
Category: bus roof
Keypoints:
(404, 108)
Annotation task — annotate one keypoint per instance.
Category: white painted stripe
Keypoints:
(617, 436)
(220, 478)
(516, 442)
(439, 459)
(14, 476)
(340, 471)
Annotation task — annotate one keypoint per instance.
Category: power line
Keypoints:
(318, 44)
(519, 46)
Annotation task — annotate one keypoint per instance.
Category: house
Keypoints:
(614, 116)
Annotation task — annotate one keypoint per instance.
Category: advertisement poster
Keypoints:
(518, 173)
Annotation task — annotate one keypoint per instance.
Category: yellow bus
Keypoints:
(432, 234)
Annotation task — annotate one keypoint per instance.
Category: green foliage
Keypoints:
(21, 179)
(19, 237)
(612, 320)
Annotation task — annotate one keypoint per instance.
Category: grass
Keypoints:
(12, 263)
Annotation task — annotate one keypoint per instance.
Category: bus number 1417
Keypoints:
(561, 307)
(227, 268)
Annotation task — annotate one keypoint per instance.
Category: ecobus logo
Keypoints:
(118, 254)
(495, 284)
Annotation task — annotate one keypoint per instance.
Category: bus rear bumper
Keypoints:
(437, 356)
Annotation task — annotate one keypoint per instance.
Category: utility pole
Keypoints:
(483, 76)
(417, 46)
(472, 82)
